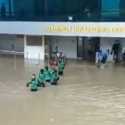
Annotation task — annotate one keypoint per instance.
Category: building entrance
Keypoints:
(87, 47)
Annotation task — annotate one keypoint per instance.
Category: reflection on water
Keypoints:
(85, 96)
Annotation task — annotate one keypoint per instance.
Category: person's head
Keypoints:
(41, 71)
(46, 67)
(33, 76)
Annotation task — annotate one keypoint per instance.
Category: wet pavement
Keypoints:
(85, 95)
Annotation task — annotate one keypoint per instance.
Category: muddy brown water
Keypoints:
(85, 95)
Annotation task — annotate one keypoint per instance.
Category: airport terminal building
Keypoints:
(34, 28)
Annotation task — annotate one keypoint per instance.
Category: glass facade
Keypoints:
(62, 10)
(113, 10)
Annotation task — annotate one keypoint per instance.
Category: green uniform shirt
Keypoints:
(41, 77)
(61, 67)
(47, 75)
(55, 76)
(34, 85)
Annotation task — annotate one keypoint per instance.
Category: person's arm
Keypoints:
(28, 84)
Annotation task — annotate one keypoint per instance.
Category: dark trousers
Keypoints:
(41, 84)
(54, 83)
(33, 90)
(60, 73)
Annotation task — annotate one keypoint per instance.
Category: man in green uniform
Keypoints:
(61, 67)
(41, 79)
(54, 77)
(33, 83)
(63, 64)
(47, 74)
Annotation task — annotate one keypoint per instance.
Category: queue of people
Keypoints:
(48, 75)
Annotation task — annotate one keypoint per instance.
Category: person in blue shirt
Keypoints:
(102, 57)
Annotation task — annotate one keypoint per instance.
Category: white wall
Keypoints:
(8, 41)
(11, 43)
(35, 52)
(66, 44)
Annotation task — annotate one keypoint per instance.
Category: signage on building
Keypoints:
(85, 28)
(97, 29)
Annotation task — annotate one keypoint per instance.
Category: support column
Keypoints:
(25, 47)
(43, 47)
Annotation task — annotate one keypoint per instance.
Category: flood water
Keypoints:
(85, 95)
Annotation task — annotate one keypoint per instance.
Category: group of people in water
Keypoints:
(50, 74)
(102, 55)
